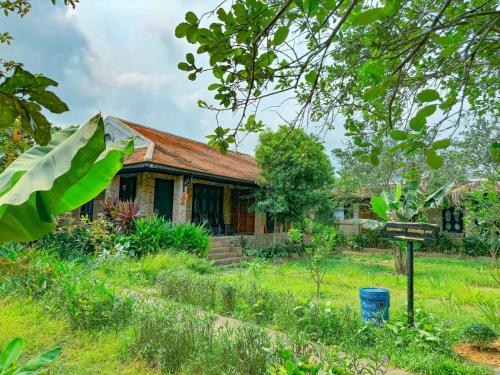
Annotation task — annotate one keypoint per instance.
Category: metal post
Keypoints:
(409, 275)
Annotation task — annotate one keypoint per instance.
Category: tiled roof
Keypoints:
(182, 153)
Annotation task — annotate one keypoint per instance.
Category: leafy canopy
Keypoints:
(23, 95)
(295, 174)
(400, 70)
(49, 180)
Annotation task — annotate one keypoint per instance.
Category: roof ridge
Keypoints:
(180, 136)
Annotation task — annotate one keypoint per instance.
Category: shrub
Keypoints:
(148, 235)
(479, 335)
(272, 252)
(326, 324)
(127, 212)
(153, 233)
(90, 305)
(474, 246)
(74, 239)
(187, 237)
(358, 241)
(32, 271)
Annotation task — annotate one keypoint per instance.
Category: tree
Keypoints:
(295, 175)
(482, 216)
(13, 142)
(401, 70)
(49, 180)
(408, 204)
(322, 242)
(469, 157)
(24, 94)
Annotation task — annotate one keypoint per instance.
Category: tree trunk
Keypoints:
(399, 261)
(274, 232)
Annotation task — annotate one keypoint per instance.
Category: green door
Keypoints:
(164, 198)
(208, 203)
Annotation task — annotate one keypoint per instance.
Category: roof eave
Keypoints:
(155, 167)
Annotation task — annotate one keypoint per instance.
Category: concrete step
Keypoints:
(219, 249)
(228, 255)
(228, 261)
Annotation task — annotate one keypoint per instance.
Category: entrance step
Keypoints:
(226, 255)
(228, 261)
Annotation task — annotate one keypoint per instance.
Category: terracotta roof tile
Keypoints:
(179, 152)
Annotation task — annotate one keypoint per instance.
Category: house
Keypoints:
(186, 181)
(449, 218)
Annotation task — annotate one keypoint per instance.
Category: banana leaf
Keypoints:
(49, 180)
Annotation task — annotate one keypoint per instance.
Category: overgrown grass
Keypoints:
(268, 294)
(84, 352)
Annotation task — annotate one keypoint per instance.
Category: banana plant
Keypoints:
(407, 204)
(47, 181)
(10, 355)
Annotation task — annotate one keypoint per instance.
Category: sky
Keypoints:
(120, 57)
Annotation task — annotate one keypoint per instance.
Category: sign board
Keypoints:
(421, 232)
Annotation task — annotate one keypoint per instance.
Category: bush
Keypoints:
(74, 239)
(90, 305)
(479, 335)
(272, 252)
(326, 324)
(153, 233)
(32, 271)
(188, 237)
(474, 246)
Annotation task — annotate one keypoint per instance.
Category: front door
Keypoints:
(208, 208)
(164, 198)
(242, 219)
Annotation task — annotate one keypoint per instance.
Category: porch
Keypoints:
(223, 207)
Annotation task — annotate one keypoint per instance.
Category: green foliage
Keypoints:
(49, 180)
(474, 246)
(9, 359)
(153, 233)
(91, 305)
(273, 252)
(382, 67)
(75, 239)
(326, 324)
(479, 334)
(295, 174)
(330, 363)
(24, 95)
(176, 337)
(409, 203)
(482, 216)
(322, 243)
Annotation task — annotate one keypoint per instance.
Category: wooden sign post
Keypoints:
(410, 232)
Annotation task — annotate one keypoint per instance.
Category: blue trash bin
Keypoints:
(375, 303)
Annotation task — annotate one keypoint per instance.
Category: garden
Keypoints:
(148, 301)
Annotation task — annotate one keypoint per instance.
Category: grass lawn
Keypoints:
(447, 287)
(84, 353)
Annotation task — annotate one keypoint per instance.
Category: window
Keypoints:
(269, 223)
(344, 212)
(453, 220)
(348, 211)
(127, 188)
